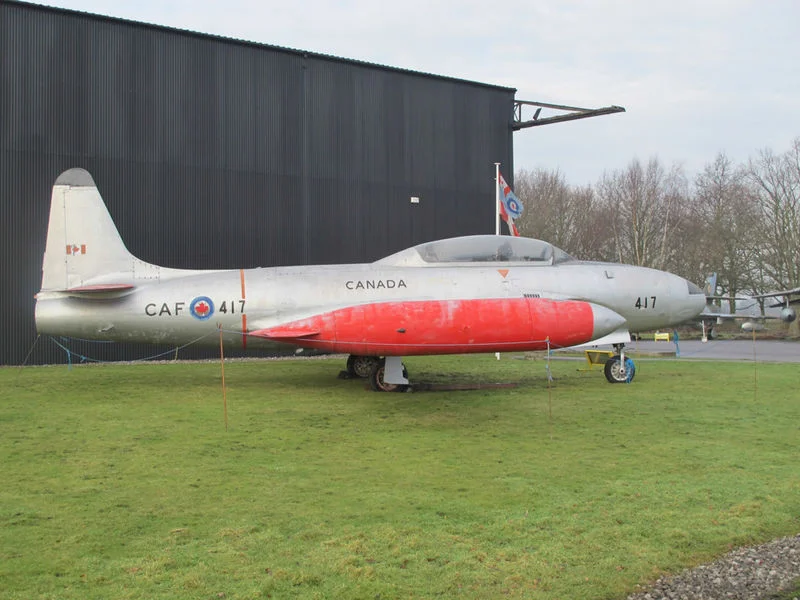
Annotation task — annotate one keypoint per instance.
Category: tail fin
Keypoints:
(84, 248)
(710, 288)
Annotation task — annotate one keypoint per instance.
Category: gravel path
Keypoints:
(752, 573)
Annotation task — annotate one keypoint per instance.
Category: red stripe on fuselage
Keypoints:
(446, 326)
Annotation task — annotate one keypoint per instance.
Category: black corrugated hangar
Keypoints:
(218, 153)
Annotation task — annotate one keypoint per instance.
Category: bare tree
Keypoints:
(777, 182)
(646, 205)
(726, 218)
(568, 217)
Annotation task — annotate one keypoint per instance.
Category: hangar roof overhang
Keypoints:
(567, 113)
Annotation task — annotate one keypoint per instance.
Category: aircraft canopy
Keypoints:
(479, 249)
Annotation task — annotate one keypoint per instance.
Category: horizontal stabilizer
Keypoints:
(99, 289)
(104, 291)
(285, 333)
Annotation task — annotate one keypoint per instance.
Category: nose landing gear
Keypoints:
(619, 368)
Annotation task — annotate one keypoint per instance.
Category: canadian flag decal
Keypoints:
(74, 249)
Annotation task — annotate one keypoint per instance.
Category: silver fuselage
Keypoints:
(165, 309)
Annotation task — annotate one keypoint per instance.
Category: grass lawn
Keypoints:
(120, 481)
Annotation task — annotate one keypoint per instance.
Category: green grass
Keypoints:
(122, 482)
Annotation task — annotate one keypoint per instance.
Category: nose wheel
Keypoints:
(619, 368)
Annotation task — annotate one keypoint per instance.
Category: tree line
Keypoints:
(741, 221)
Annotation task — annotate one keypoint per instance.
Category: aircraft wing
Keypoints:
(791, 292)
(721, 316)
(785, 294)
(708, 314)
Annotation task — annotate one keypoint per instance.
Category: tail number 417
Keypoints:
(645, 302)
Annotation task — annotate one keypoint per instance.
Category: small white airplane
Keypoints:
(480, 293)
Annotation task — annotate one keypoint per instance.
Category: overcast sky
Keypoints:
(696, 77)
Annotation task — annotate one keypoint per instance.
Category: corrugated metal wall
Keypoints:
(214, 153)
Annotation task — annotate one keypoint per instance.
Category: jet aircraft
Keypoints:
(479, 293)
(748, 308)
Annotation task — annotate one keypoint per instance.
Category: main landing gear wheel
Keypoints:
(616, 374)
(360, 366)
(377, 383)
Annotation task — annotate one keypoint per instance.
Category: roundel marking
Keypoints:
(202, 308)
(514, 208)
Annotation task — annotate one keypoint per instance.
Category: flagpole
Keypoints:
(497, 198)
(497, 212)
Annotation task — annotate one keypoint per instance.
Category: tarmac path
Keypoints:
(745, 350)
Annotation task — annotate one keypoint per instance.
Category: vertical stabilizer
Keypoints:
(83, 243)
(710, 287)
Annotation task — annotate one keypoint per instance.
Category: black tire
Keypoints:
(377, 383)
(360, 366)
(614, 372)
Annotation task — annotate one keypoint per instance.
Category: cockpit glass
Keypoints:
(694, 289)
(491, 249)
(480, 249)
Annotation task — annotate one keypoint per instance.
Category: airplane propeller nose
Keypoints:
(605, 320)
